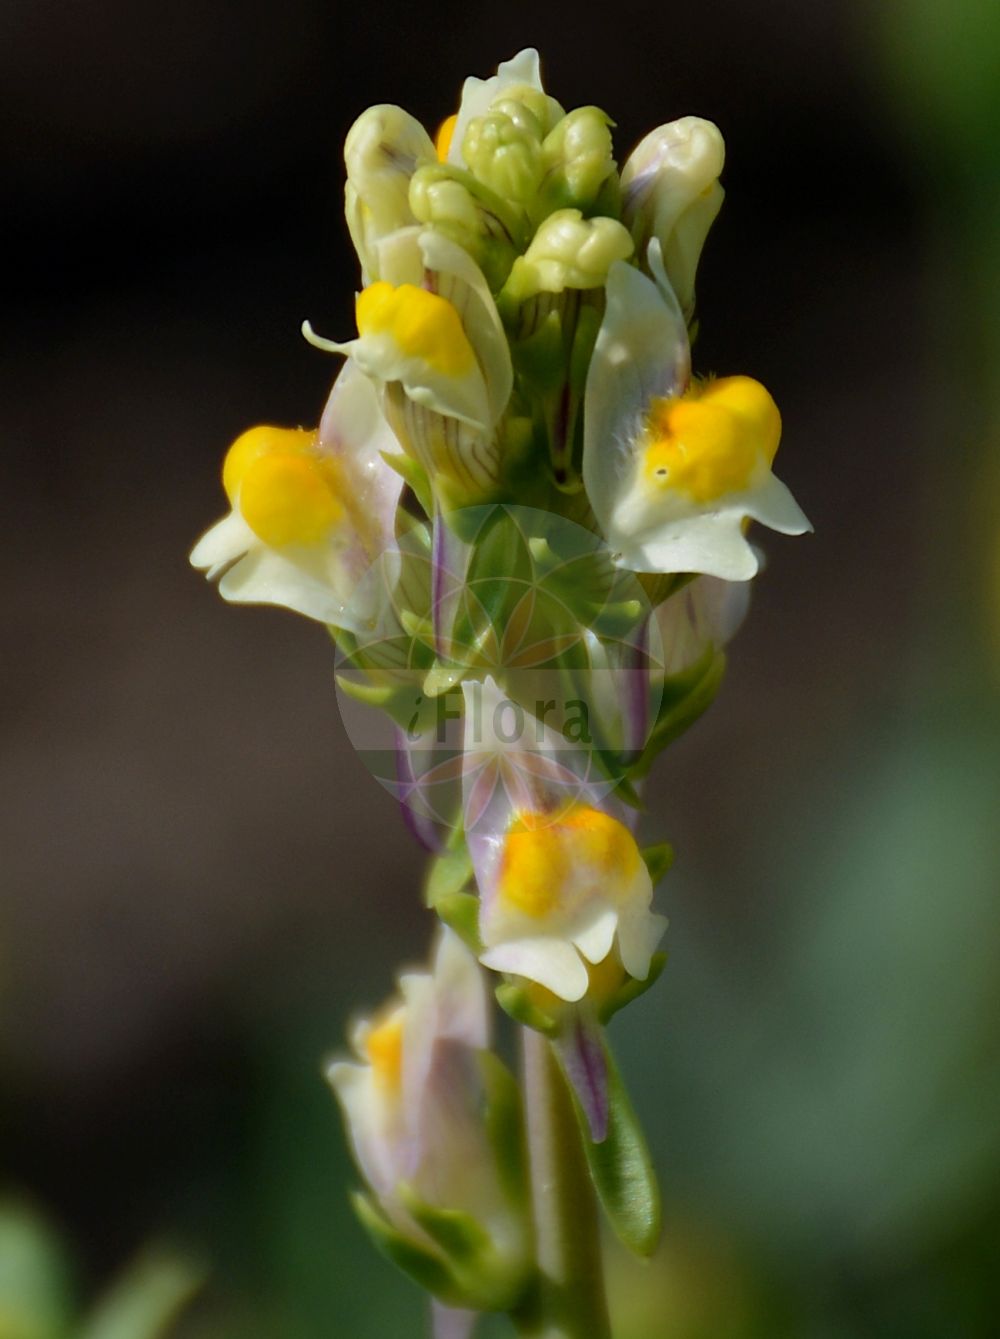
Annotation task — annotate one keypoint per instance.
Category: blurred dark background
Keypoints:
(200, 882)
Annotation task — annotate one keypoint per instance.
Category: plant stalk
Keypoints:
(568, 1299)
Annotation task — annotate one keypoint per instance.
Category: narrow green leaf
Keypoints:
(623, 1171)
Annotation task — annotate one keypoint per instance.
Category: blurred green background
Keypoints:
(200, 883)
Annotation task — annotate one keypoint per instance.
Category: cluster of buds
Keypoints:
(524, 522)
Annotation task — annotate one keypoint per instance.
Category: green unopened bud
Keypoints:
(568, 251)
(504, 155)
(383, 149)
(530, 108)
(578, 160)
(671, 191)
(461, 208)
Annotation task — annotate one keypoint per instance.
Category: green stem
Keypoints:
(567, 1301)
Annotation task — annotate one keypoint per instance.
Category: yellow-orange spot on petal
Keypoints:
(289, 499)
(423, 325)
(550, 863)
(384, 1048)
(711, 441)
(256, 443)
(444, 136)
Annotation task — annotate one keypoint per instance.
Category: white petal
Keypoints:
(301, 582)
(773, 505)
(595, 941)
(227, 540)
(641, 353)
(713, 544)
(551, 962)
(638, 936)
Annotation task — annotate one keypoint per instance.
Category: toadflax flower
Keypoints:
(429, 334)
(310, 511)
(563, 887)
(426, 1136)
(674, 467)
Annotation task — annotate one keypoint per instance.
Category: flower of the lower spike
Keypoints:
(671, 191)
(311, 511)
(414, 1104)
(429, 332)
(562, 883)
(674, 468)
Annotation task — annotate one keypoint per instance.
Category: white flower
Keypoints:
(671, 191)
(563, 886)
(429, 332)
(674, 468)
(311, 511)
(413, 1099)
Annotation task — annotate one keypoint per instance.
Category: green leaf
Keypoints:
(146, 1301)
(623, 1171)
(427, 1270)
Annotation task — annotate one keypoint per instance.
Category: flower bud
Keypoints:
(578, 162)
(671, 191)
(456, 205)
(505, 154)
(568, 251)
(420, 1106)
(529, 108)
(383, 149)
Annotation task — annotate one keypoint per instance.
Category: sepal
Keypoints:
(685, 697)
(505, 1129)
(418, 1262)
(484, 1275)
(517, 1003)
(632, 989)
(658, 860)
(460, 912)
(448, 874)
